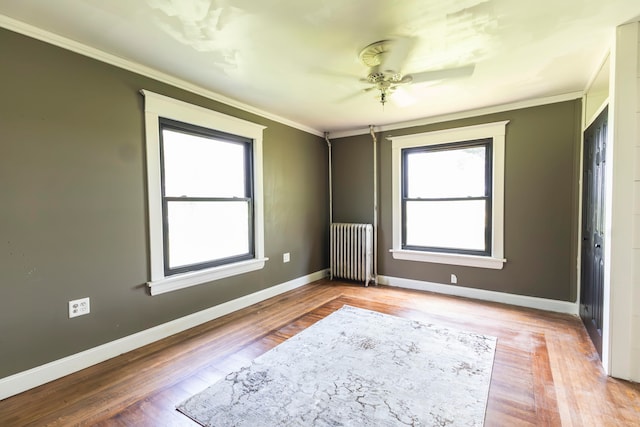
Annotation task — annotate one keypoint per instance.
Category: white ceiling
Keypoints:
(297, 59)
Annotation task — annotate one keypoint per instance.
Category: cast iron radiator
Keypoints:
(352, 251)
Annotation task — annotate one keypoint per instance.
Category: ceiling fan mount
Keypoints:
(371, 54)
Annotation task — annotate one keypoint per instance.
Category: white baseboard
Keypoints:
(481, 294)
(39, 375)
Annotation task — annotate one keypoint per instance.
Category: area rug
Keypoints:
(357, 367)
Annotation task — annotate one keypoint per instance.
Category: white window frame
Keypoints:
(497, 132)
(156, 106)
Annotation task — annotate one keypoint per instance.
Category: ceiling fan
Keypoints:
(385, 59)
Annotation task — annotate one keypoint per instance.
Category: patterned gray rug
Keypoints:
(357, 367)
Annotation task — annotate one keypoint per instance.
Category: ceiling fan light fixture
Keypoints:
(384, 80)
(375, 76)
(386, 84)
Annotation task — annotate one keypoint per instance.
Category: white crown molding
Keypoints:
(481, 294)
(39, 375)
(462, 114)
(82, 49)
(91, 52)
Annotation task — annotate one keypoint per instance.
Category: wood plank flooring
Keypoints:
(546, 371)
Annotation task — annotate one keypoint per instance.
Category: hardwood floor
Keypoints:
(546, 371)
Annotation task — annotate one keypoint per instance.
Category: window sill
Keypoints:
(452, 259)
(193, 278)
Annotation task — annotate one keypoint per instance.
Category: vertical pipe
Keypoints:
(375, 205)
(326, 138)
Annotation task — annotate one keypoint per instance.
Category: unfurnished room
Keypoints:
(330, 213)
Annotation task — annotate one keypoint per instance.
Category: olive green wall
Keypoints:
(73, 205)
(73, 208)
(541, 202)
(352, 179)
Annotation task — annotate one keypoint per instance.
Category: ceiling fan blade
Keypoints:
(394, 58)
(446, 73)
(402, 98)
(334, 75)
(352, 95)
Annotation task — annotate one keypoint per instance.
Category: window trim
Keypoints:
(155, 107)
(496, 131)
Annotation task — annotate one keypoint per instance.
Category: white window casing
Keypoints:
(497, 132)
(157, 106)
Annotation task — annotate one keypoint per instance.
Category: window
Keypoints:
(204, 173)
(448, 196)
(207, 203)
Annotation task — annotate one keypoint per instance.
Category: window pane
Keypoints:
(446, 224)
(207, 231)
(199, 166)
(454, 172)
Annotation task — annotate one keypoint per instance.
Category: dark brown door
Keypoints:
(593, 196)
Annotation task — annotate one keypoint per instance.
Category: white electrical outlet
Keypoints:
(79, 307)
(286, 257)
